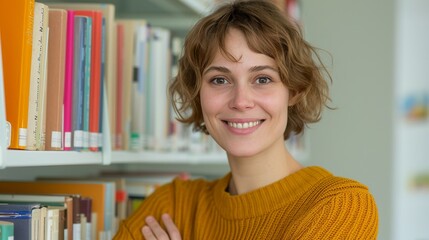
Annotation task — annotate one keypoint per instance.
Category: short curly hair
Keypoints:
(269, 31)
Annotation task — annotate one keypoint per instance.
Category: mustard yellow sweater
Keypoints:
(309, 204)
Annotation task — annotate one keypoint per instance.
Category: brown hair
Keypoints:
(268, 31)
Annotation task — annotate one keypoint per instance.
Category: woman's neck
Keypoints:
(254, 172)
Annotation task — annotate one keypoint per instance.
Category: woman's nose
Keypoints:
(241, 98)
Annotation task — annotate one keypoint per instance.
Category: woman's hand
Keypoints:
(152, 229)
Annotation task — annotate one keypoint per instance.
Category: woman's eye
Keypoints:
(263, 80)
(219, 81)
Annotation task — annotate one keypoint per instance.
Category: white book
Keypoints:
(37, 94)
(52, 224)
(141, 59)
(160, 59)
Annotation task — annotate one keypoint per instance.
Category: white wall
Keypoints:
(355, 140)
(411, 203)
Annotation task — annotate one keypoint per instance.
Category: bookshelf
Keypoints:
(177, 15)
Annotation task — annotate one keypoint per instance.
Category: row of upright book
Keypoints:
(74, 74)
(85, 208)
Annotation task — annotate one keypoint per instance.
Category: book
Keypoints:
(25, 218)
(81, 77)
(95, 191)
(103, 99)
(69, 83)
(157, 105)
(87, 80)
(177, 132)
(42, 222)
(141, 62)
(37, 95)
(35, 222)
(76, 220)
(17, 47)
(6, 230)
(56, 78)
(128, 50)
(95, 76)
(118, 134)
(62, 222)
(52, 224)
(86, 218)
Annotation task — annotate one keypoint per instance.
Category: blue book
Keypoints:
(21, 215)
(80, 78)
(103, 75)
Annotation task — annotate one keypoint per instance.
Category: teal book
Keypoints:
(87, 83)
(6, 230)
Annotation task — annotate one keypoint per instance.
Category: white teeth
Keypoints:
(243, 125)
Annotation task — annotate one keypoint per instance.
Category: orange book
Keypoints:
(95, 191)
(56, 75)
(16, 24)
(95, 90)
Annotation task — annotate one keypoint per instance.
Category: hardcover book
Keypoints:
(38, 83)
(17, 47)
(81, 77)
(69, 83)
(56, 78)
(25, 218)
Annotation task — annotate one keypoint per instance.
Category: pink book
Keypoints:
(68, 84)
(120, 52)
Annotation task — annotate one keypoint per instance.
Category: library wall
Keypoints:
(356, 139)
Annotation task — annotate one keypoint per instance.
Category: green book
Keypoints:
(6, 230)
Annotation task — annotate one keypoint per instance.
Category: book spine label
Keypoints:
(56, 139)
(22, 141)
(67, 140)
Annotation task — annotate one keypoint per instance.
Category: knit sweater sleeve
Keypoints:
(347, 215)
(156, 204)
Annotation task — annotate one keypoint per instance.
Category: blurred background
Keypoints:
(380, 130)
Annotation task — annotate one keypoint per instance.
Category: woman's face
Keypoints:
(244, 102)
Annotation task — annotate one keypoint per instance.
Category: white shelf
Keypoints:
(152, 157)
(23, 158)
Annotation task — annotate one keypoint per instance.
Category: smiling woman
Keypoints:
(249, 79)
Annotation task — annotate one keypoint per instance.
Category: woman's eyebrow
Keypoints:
(262, 67)
(217, 68)
(252, 69)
